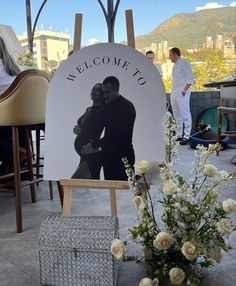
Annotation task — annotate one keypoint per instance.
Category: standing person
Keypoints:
(183, 78)
(89, 128)
(150, 55)
(118, 119)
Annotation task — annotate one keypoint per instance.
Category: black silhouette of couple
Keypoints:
(116, 115)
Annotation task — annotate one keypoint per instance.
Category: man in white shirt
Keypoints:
(150, 55)
(183, 78)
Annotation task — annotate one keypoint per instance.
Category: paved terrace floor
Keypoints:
(19, 265)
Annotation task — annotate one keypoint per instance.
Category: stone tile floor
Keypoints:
(19, 263)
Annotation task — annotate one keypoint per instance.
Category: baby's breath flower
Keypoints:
(196, 223)
(210, 170)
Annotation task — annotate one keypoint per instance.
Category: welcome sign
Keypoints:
(105, 102)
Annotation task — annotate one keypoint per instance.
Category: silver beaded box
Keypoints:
(75, 251)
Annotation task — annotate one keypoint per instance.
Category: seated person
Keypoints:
(8, 72)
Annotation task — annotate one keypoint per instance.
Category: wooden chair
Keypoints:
(22, 106)
(227, 106)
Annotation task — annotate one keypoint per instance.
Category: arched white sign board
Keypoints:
(69, 96)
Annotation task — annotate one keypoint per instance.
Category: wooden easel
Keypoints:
(66, 186)
(111, 186)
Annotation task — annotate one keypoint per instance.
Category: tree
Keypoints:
(167, 83)
(213, 69)
(26, 60)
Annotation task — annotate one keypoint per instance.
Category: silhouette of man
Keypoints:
(118, 118)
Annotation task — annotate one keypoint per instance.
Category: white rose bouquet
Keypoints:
(195, 225)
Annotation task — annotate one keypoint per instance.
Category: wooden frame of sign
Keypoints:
(66, 186)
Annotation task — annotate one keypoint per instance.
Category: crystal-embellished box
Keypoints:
(75, 251)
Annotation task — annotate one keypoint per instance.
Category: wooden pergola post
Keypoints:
(77, 32)
(130, 28)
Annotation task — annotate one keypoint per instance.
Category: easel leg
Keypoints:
(67, 200)
(113, 202)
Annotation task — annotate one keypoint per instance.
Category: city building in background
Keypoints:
(50, 48)
(234, 41)
(219, 42)
(209, 42)
(163, 51)
(227, 45)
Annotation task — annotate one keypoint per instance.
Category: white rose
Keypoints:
(139, 202)
(224, 226)
(155, 282)
(163, 240)
(146, 282)
(142, 166)
(215, 254)
(169, 187)
(189, 250)
(229, 206)
(177, 276)
(118, 249)
(210, 170)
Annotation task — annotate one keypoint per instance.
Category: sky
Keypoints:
(58, 15)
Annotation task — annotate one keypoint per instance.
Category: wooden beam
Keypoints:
(130, 28)
(77, 32)
(96, 184)
(68, 186)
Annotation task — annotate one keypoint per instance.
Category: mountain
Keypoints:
(185, 30)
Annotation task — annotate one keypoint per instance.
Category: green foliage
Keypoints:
(26, 60)
(167, 83)
(51, 66)
(202, 55)
(213, 68)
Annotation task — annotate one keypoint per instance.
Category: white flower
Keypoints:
(139, 202)
(163, 240)
(146, 282)
(229, 206)
(215, 254)
(169, 187)
(224, 174)
(155, 282)
(177, 276)
(189, 250)
(130, 237)
(142, 166)
(224, 226)
(140, 239)
(118, 249)
(181, 225)
(210, 170)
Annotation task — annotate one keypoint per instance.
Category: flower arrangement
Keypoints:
(194, 225)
